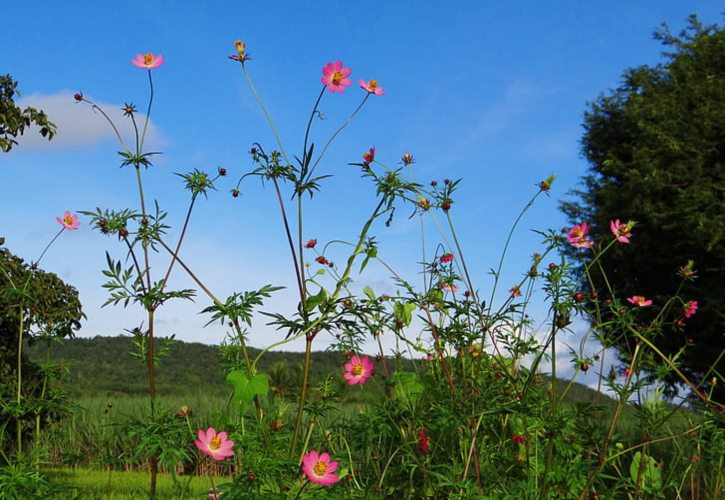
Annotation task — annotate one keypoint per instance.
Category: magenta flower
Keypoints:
(319, 469)
(68, 221)
(690, 309)
(639, 301)
(372, 87)
(148, 61)
(622, 232)
(336, 77)
(577, 236)
(358, 370)
(214, 444)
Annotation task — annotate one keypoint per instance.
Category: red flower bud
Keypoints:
(123, 232)
(235, 192)
(578, 297)
(78, 96)
(446, 205)
(311, 243)
(222, 171)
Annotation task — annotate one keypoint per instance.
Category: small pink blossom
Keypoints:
(148, 61)
(371, 86)
(336, 77)
(68, 221)
(622, 232)
(515, 291)
(358, 370)
(319, 469)
(449, 287)
(577, 236)
(690, 309)
(639, 301)
(214, 444)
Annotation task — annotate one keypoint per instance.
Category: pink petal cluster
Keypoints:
(622, 232)
(690, 309)
(336, 77)
(371, 86)
(148, 61)
(577, 236)
(68, 221)
(217, 445)
(358, 370)
(319, 468)
(449, 287)
(639, 301)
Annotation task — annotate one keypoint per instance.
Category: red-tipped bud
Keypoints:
(235, 192)
(222, 171)
(311, 243)
(578, 297)
(123, 233)
(78, 96)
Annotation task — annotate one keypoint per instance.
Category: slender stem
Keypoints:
(191, 274)
(309, 124)
(48, 246)
(266, 113)
(148, 114)
(175, 254)
(295, 263)
(342, 127)
(303, 393)
(18, 420)
(96, 107)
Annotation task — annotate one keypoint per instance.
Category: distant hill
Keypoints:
(104, 366)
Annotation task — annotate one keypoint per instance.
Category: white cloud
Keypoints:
(79, 125)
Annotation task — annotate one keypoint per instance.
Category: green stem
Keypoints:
(148, 114)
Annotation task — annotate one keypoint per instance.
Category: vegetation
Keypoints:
(14, 121)
(656, 156)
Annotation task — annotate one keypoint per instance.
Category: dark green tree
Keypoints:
(50, 309)
(14, 121)
(656, 152)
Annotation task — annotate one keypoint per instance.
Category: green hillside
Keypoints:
(104, 366)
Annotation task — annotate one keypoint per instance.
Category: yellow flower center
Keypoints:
(68, 220)
(373, 85)
(337, 78)
(240, 47)
(148, 59)
(357, 369)
(320, 468)
(215, 443)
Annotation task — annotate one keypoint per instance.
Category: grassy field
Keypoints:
(91, 484)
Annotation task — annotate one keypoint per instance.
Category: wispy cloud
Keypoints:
(80, 126)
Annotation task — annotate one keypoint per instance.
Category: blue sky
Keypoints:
(491, 92)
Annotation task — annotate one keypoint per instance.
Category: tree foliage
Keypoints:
(656, 152)
(14, 121)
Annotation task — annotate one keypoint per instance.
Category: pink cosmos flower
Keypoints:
(319, 469)
(690, 309)
(371, 86)
(639, 301)
(577, 236)
(622, 232)
(369, 156)
(148, 61)
(515, 291)
(448, 287)
(214, 444)
(446, 257)
(68, 221)
(336, 77)
(358, 370)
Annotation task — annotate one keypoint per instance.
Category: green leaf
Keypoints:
(245, 389)
(369, 293)
(315, 300)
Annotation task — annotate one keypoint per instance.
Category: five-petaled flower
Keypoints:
(68, 221)
(622, 232)
(358, 370)
(690, 309)
(311, 243)
(577, 236)
(369, 156)
(336, 77)
(639, 301)
(319, 468)
(372, 87)
(214, 444)
(148, 61)
(446, 257)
